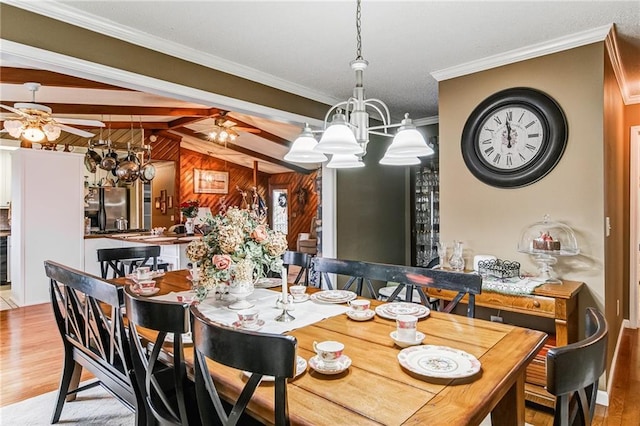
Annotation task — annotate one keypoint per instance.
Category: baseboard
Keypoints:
(603, 397)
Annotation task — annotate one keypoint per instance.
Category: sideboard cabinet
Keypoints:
(555, 301)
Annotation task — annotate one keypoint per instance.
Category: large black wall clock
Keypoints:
(514, 137)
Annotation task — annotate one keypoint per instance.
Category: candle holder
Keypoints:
(285, 316)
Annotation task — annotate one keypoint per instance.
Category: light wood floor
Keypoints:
(31, 361)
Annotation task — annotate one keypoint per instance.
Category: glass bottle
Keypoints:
(456, 261)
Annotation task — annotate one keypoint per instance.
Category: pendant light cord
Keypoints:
(358, 36)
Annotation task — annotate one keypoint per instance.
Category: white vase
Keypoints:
(189, 226)
(240, 290)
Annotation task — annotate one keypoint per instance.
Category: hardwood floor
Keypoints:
(31, 361)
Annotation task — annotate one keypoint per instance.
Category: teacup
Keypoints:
(406, 327)
(146, 286)
(248, 318)
(359, 304)
(298, 291)
(329, 351)
(143, 273)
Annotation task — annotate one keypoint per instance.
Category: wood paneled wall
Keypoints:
(300, 213)
(168, 149)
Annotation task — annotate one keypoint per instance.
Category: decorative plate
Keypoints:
(301, 367)
(268, 282)
(340, 365)
(392, 310)
(361, 315)
(333, 296)
(438, 361)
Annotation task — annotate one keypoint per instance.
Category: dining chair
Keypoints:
(90, 321)
(298, 259)
(168, 393)
(573, 372)
(353, 269)
(259, 354)
(114, 260)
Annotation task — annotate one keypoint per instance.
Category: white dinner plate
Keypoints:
(268, 282)
(438, 361)
(301, 367)
(333, 296)
(393, 309)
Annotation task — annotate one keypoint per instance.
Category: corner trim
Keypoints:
(611, 43)
(529, 52)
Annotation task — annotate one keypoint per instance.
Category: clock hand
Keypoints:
(508, 134)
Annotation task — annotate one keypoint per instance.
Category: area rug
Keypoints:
(92, 407)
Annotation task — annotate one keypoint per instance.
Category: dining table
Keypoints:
(376, 389)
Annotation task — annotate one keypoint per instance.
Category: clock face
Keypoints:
(510, 137)
(514, 137)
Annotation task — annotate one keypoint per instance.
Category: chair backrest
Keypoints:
(111, 259)
(257, 353)
(164, 390)
(89, 316)
(298, 259)
(355, 270)
(573, 372)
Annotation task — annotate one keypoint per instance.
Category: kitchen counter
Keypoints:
(147, 238)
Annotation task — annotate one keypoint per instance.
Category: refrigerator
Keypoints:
(106, 204)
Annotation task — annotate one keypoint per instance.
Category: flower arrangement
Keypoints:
(239, 247)
(190, 208)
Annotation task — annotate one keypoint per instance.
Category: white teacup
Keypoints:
(145, 286)
(328, 351)
(248, 318)
(143, 273)
(406, 327)
(298, 291)
(360, 304)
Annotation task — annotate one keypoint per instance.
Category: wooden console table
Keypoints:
(556, 301)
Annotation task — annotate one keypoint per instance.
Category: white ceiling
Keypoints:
(305, 46)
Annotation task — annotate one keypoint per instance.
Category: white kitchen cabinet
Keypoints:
(175, 255)
(47, 219)
(5, 178)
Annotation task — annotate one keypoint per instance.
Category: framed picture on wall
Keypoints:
(210, 182)
(158, 202)
(170, 201)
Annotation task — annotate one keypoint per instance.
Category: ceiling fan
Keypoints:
(226, 130)
(35, 121)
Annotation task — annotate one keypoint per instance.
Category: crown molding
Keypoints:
(528, 52)
(611, 43)
(69, 15)
(426, 121)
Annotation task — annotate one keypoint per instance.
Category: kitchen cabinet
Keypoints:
(425, 213)
(554, 301)
(5, 178)
(47, 219)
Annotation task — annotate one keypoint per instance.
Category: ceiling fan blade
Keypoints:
(79, 122)
(15, 110)
(75, 131)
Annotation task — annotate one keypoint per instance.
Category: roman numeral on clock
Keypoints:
(488, 151)
(509, 160)
(486, 141)
(530, 147)
(509, 116)
(496, 159)
(533, 135)
(497, 120)
(530, 124)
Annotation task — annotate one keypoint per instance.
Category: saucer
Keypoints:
(301, 299)
(405, 344)
(301, 367)
(338, 367)
(258, 325)
(361, 315)
(147, 293)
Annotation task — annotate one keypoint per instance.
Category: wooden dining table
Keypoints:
(376, 389)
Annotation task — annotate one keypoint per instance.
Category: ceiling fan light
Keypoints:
(33, 134)
(14, 127)
(345, 161)
(338, 138)
(302, 150)
(51, 132)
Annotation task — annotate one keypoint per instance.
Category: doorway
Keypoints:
(634, 228)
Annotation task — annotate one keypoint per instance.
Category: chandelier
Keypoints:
(346, 135)
(33, 128)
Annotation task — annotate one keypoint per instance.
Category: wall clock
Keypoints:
(514, 137)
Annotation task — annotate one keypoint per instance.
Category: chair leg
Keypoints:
(70, 367)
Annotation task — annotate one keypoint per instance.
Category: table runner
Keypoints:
(305, 313)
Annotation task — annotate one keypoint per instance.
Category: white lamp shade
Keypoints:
(302, 151)
(14, 127)
(52, 132)
(33, 134)
(338, 139)
(408, 142)
(400, 161)
(345, 161)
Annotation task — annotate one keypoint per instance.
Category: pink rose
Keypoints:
(259, 233)
(222, 261)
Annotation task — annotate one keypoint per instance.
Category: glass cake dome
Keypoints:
(545, 240)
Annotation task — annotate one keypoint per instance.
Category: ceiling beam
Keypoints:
(245, 151)
(263, 134)
(9, 75)
(179, 122)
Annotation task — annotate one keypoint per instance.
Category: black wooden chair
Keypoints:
(169, 394)
(298, 259)
(88, 313)
(123, 260)
(258, 353)
(573, 372)
(353, 269)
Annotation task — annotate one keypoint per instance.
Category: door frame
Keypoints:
(634, 227)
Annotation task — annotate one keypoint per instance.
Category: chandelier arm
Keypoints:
(386, 117)
(373, 132)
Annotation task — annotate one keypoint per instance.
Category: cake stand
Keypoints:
(546, 241)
